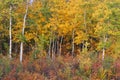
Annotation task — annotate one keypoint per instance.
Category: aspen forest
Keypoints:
(59, 39)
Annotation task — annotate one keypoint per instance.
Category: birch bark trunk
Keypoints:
(85, 24)
(73, 47)
(53, 46)
(49, 51)
(103, 51)
(60, 48)
(10, 33)
(23, 30)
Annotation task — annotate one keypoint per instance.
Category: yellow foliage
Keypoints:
(80, 37)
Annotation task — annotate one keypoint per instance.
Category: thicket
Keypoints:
(59, 39)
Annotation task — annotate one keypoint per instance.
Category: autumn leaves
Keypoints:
(50, 25)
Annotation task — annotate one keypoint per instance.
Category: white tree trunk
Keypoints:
(53, 46)
(49, 51)
(103, 52)
(85, 25)
(73, 47)
(10, 34)
(60, 49)
(23, 30)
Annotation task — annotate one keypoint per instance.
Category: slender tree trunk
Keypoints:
(83, 47)
(85, 24)
(23, 29)
(10, 33)
(57, 45)
(49, 51)
(73, 47)
(50, 45)
(53, 46)
(61, 40)
(103, 51)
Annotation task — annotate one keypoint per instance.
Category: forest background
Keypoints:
(60, 39)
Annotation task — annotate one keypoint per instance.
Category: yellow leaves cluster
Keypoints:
(113, 32)
(101, 12)
(80, 36)
(19, 25)
(48, 25)
(101, 15)
(29, 36)
(64, 14)
(99, 27)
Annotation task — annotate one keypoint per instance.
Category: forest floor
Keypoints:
(59, 68)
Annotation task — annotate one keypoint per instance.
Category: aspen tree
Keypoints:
(10, 33)
(23, 30)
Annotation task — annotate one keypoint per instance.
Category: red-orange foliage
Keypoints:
(61, 68)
